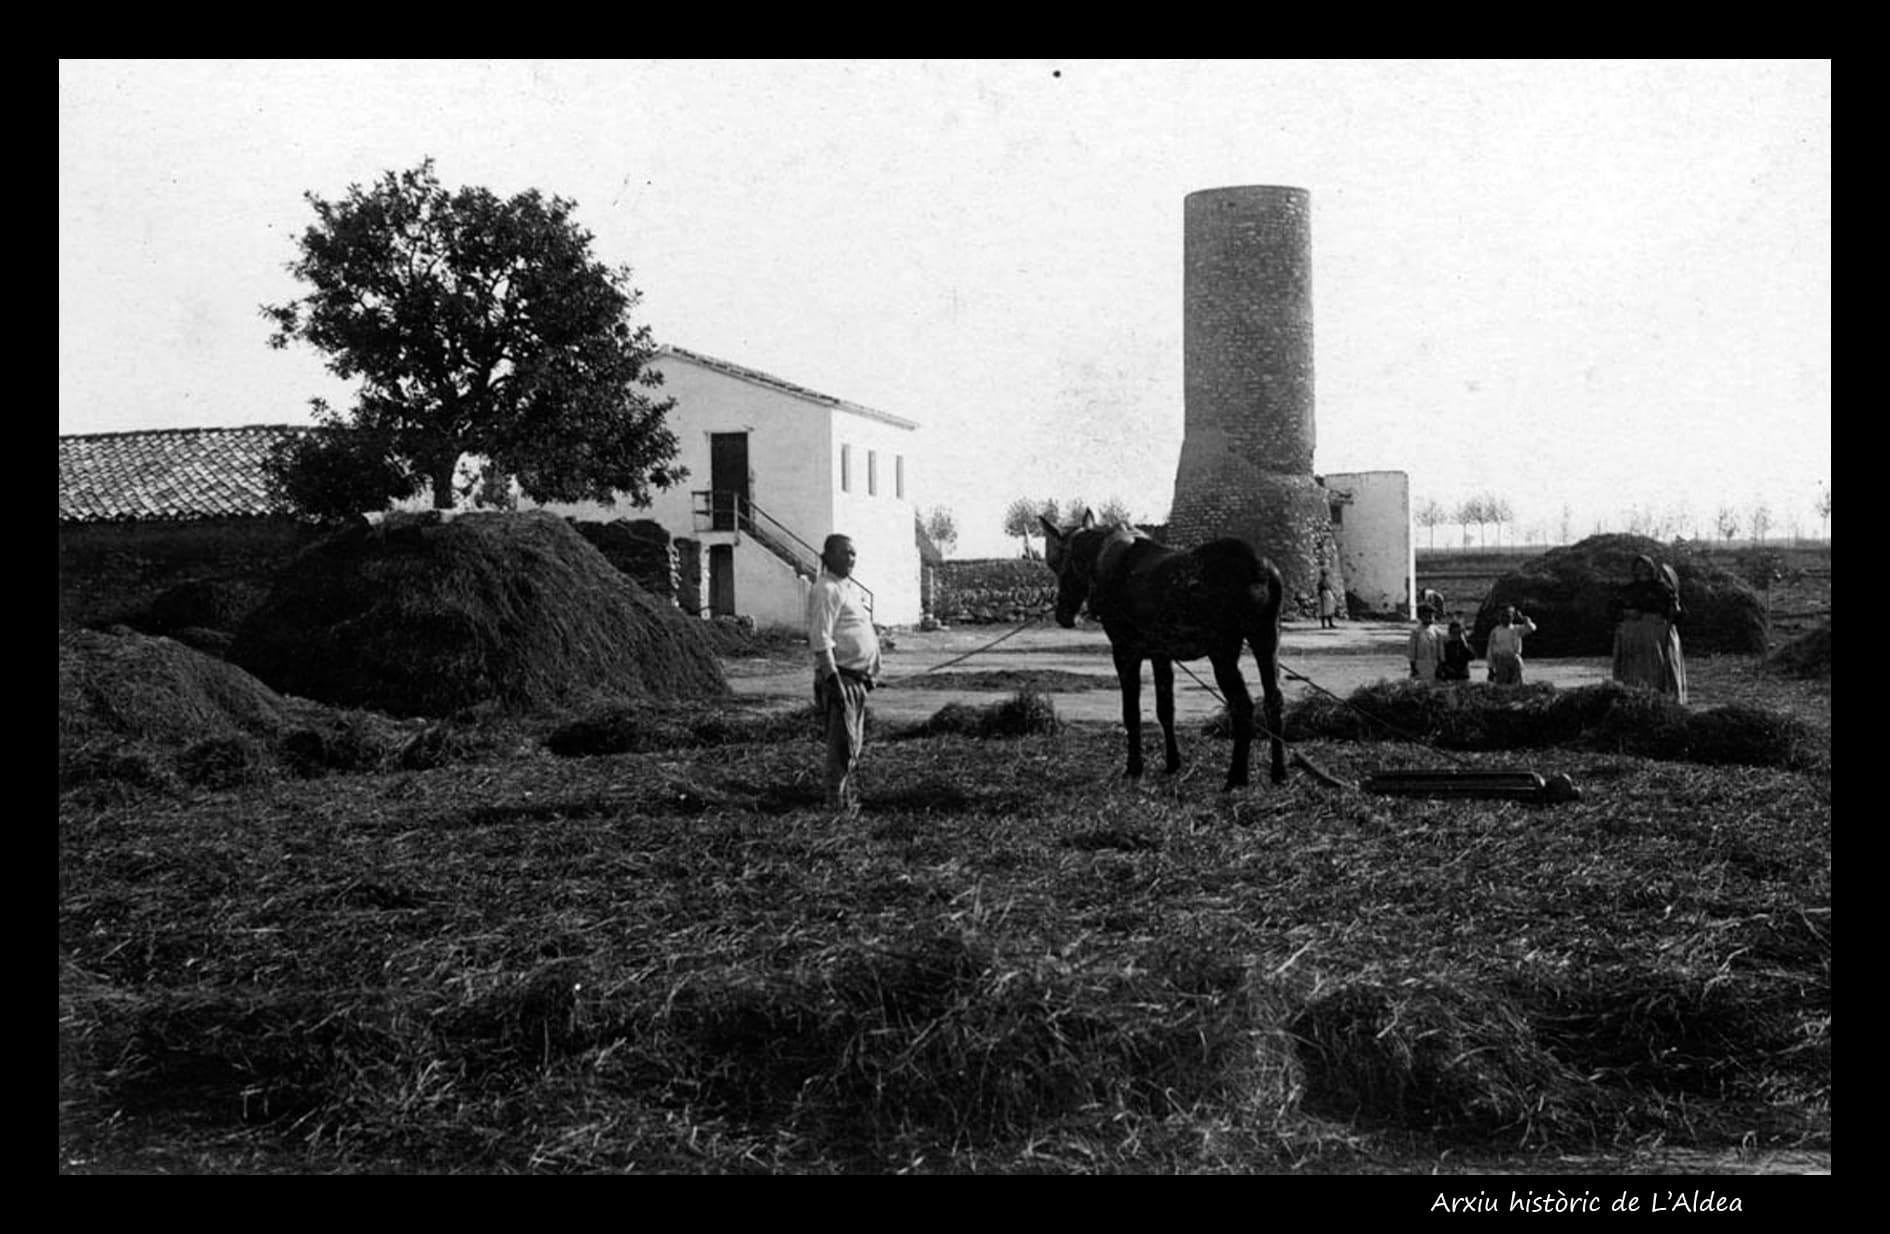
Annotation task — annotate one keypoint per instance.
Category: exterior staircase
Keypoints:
(718, 510)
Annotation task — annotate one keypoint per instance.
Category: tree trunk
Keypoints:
(440, 475)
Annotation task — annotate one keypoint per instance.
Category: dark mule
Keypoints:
(1162, 605)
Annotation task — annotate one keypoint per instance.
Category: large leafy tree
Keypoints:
(475, 326)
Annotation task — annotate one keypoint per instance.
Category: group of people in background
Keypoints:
(1646, 639)
(1444, 653)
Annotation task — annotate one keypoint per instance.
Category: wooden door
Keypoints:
(728, 478)
(722, 580)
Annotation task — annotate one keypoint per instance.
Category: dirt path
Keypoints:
(1340, 660)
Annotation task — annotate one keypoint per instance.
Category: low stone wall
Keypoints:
(999, 589)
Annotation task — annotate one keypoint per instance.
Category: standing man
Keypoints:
(1425, 648)
(1328, 602)
(846, 660)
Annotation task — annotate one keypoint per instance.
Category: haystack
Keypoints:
(129, 687)
(1570, 593)
(141, 710)
(138, 710)
(423, 617)
(1808, 655)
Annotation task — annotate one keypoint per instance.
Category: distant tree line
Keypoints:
(1487, 511)
(1020, 517)
(1483, 511)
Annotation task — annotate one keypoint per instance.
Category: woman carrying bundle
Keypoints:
(1647, 640)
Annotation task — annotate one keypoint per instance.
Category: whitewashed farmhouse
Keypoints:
(774, 468)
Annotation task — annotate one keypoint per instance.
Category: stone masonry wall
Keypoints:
(1247, 451)
(1247, 323)
(1000, 589)
(640, 548)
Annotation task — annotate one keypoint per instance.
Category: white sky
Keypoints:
(1603, 285)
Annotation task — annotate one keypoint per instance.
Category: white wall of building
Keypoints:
(869, 507)
(786, 449)
(768, 589)
(794, 466)
(1377, 551)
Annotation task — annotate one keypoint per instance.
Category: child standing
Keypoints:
(1505, 646)
(1457, 655)
(1328, 603)
(1425, 650)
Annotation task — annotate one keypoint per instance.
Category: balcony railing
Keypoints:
(730, 510)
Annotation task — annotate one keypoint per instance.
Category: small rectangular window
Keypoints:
(872, 473)
(899, 476)
(846, 469)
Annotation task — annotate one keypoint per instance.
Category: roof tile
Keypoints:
(178, 473)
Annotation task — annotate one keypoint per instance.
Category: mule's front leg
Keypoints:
(1129, 674)
(1240, 710)
(1274, 706)
(1165, 708)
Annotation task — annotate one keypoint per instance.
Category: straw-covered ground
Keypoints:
(632, 940)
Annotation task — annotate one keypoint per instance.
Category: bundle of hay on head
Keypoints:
(424, 617)
(1571, 593)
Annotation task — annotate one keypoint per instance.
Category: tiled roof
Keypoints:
(174, 473)
(788, 387)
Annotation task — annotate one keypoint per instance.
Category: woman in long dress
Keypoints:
(1647, 641)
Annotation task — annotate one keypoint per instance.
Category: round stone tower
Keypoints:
(1247, 341)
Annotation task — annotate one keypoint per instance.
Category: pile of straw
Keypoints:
(1024, 714)
(1605, 716)
(1808, 655)
(1570, 593)
(419, 617)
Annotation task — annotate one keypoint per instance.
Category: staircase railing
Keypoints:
(731, 510)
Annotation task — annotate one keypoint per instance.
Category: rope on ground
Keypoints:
(1297, 758)
(1032, 620)
(1260, 724)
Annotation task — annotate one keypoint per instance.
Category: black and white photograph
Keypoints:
(959, 617)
